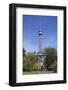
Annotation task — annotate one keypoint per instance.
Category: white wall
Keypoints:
(4, 37)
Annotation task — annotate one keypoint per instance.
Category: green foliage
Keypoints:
(54, 66)
(51, 57)
(30, 64)
(28, 60)
(24, 52)
(32, 57)
(26, 64)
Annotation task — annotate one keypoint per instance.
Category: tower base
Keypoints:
(41, 60)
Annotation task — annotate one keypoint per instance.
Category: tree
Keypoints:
(28, 61)
(51, 57)
(54, 66)
(24, 52)
(27, 66)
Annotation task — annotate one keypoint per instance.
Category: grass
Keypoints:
(30, 72)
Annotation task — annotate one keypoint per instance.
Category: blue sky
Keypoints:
(31, 26)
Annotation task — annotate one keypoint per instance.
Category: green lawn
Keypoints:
(32, 72)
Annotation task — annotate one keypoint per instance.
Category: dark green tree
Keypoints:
(26, 64)
(28, 61)
(24, 52)
(51, 58)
